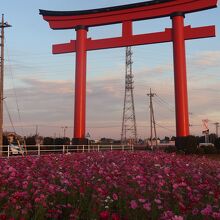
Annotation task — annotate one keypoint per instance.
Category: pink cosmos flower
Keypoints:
(216, 215)
(207, 210)
(147, 206)
(175, 186)
(176, 217)
(168, 215)
(11, 169)
(158, 201)
(195, 211)
(142, 200)
(166, 170)
(37, 200)
(133, 204)
(104, 215)
(115, 216)
(115, 196)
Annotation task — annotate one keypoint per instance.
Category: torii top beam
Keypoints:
(120, 14)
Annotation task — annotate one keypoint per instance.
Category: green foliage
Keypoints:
(217, 143)
(167, 139)
(212, 138)
(200, 151)
(48, 141)
(62, 141)
(187, 144)
(208, 149)
(30, 140)
(5, 140)
(170, 149)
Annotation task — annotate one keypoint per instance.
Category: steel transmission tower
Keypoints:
(129, 129)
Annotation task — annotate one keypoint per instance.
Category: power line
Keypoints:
(14, 91)
(162, 101)
(164, 127)
(9, 115)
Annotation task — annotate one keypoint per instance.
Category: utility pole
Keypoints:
(129, 128)
(3, 25)
(64, 131)
(216, 127)
(152, 119)
(36, 133)
(206, 130)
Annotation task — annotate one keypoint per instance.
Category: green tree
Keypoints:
(48, 141)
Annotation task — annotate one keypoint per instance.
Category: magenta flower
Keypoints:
(176, 217)
(207, 210)
(115, 196)
(142, 200)
(64, 186)
(158, 201)
(195, 211)
(115, 216)
(104, 215)
(133, 204)
(147, 206)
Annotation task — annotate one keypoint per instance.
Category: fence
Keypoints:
(8, 151)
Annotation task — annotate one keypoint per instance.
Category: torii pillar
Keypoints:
(180, 78)
(80, 86)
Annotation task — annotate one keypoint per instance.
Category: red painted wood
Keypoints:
(134, 40)
(132, 14)
(80, 85)
(180, 79)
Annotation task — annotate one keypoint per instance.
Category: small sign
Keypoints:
(88, 135)
(205, 132)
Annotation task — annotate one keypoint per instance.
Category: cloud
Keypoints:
(49, 103)
(205, 59)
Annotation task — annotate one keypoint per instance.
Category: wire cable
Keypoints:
(14, 91)
(9, 115)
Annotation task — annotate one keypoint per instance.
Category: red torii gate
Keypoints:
(126, 14)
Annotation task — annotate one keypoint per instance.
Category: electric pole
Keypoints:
(64, 131)
(206, 130)
(216, 126)
(36, 133)
(129, 128)
(3, 25)
(152, 120)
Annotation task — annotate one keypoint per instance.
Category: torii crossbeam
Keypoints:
(81, 21)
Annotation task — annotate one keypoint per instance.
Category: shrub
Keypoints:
(217, 143)
(200, 150)
(170, 149)
(187, 144)
(208, 148)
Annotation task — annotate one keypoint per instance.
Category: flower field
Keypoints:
(110, 185)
